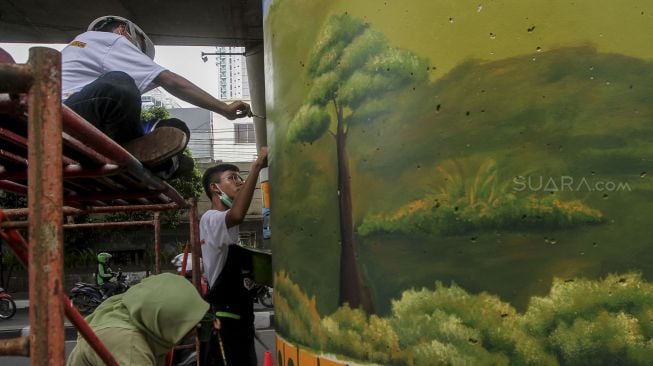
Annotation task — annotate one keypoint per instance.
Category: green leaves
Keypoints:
(353, 65)
(323, 90)
(309, 124)
(354, 333)
(154, 112)
(361, 49)
(12, 200)
(338, 32)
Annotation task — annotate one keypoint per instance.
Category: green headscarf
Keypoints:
(164, 308)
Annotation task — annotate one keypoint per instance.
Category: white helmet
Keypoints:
(133, 29)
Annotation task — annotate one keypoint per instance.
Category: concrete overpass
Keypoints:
(237, 23)
(188, 23)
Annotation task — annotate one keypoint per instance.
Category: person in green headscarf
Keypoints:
(140, 326)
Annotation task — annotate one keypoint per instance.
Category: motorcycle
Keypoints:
(260, 293)
(7, 305)
(87, 296)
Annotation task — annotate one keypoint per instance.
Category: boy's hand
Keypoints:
(262, 160)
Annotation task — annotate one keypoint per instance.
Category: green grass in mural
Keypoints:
(465, 203)
(303, 326)
(361, 336)
(580, 322)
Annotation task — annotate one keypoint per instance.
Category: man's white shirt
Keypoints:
(92, 54)
(216, 238)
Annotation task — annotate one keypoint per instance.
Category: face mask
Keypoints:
(225, 199)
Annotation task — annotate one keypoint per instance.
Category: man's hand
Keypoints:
(238, 109)
(183, 89)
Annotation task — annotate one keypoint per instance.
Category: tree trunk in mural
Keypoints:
(354, 69)
(352, 290)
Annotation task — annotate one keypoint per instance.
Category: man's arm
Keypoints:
(183, 89)
(241, 202)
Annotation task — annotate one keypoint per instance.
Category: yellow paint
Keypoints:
(292, 355)
(307, 359)
(79, 44)
(449, 32)
(289, 355)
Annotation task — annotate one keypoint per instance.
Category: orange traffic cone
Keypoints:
(267, 359)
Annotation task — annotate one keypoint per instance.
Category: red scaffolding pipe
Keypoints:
(157, 242)
(195, 242)
(24, 224)
(20, 249)
(17, 212)
(45, 200)
(195, 248)
(94, 137)
(49, 126)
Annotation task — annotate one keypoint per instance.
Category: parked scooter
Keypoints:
(87, 296)
(7, 305)
(260, 293)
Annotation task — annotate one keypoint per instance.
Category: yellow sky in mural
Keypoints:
(448, 32)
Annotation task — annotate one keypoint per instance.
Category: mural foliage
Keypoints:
(449, 194)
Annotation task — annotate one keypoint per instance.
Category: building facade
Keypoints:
(232, 70)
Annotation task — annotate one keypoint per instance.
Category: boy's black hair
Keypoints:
(211, 172)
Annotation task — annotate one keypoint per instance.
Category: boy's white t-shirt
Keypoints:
(216, 238)
(92, 54)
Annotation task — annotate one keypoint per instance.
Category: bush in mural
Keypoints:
(295, 314)
(580, 322)
(588, 322)
(366, 337)
(479, 202)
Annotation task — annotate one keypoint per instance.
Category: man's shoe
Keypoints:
(157, 146)
(186, 166)
(178, 166)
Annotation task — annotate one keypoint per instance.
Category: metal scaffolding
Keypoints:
(65, 166)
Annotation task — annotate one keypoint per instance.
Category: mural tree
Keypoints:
(354, 73)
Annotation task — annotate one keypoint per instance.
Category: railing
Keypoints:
(65, 166)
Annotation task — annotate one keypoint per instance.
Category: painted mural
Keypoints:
(461, 183)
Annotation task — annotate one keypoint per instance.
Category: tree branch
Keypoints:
(340, 118)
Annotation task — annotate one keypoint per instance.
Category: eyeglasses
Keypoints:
(235, 178)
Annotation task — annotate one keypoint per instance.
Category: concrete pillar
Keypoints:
(256, 78)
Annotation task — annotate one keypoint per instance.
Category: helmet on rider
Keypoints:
(103, 257)
(135, 34)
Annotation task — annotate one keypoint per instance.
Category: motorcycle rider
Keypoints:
(104, 275)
